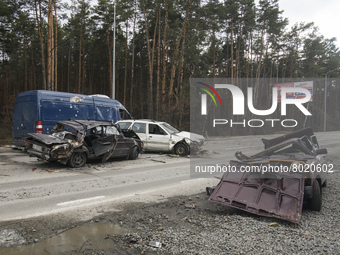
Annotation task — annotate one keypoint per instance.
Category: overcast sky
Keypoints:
(324, 13)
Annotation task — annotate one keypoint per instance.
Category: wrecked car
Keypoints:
(161, 136)
(277, 181)
(73, 142)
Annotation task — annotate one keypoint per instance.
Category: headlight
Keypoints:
(187, 140)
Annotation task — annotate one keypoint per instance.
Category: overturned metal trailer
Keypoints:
(277, 181)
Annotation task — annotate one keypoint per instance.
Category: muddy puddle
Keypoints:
(88, 236)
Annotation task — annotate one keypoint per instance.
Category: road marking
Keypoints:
(79, 201)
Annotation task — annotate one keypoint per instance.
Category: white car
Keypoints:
(161, 136)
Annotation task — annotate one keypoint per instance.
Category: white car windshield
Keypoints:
(124, 125)
(170, 129)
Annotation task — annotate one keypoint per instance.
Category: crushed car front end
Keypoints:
(53, 147)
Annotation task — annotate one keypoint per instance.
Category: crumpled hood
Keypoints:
(192, 136)
(47, 139)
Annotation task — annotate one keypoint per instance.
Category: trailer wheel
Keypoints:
(316, 201)
(77, 159)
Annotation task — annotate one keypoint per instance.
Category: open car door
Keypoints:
(105, 143)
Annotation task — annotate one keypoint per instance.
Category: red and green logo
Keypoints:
(209, 93)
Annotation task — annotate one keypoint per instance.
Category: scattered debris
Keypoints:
(173, 155)
(155, 244)
(10, 237)
(161, 161)
(191, 206)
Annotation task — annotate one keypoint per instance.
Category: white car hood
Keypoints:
(192, 136)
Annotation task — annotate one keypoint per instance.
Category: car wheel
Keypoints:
(77, 159)
(181, 150)
(133, 153)
(316, 201)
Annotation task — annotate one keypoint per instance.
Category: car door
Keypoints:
(157, 139)
(103, 143)
(123, 146)
(140, 129)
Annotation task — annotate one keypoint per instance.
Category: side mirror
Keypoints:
(321, 151)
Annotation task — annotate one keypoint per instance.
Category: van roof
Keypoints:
(47, 94)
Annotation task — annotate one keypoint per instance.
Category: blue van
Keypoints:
(37, 111)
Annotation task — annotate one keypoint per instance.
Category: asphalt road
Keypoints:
(30, 188)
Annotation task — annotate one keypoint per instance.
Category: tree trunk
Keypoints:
(25, 57)
(151, 54)
(180, 83)
(41, 39)
(258, 73)
(109, 49)
(83, 89)
(165, 53)
(175, 57)
(55, 48)
(132, 62)
(32, 75)
(232, 51)
(227, 57)
(158, 66)
(126, 63)
(50, 65)
(80, 51)
(69, 67)
(214, 53)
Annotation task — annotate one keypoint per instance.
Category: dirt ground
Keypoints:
(173, 226)
(128, 231)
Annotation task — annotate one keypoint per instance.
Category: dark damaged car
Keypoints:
(277, 181)
(73, 142)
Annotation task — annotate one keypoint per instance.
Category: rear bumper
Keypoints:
(18, 141)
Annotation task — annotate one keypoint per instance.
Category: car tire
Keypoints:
(77, 159)
(181, 150)
(133, 153)
(316, 201)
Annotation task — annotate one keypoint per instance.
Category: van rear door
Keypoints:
(25, 115)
